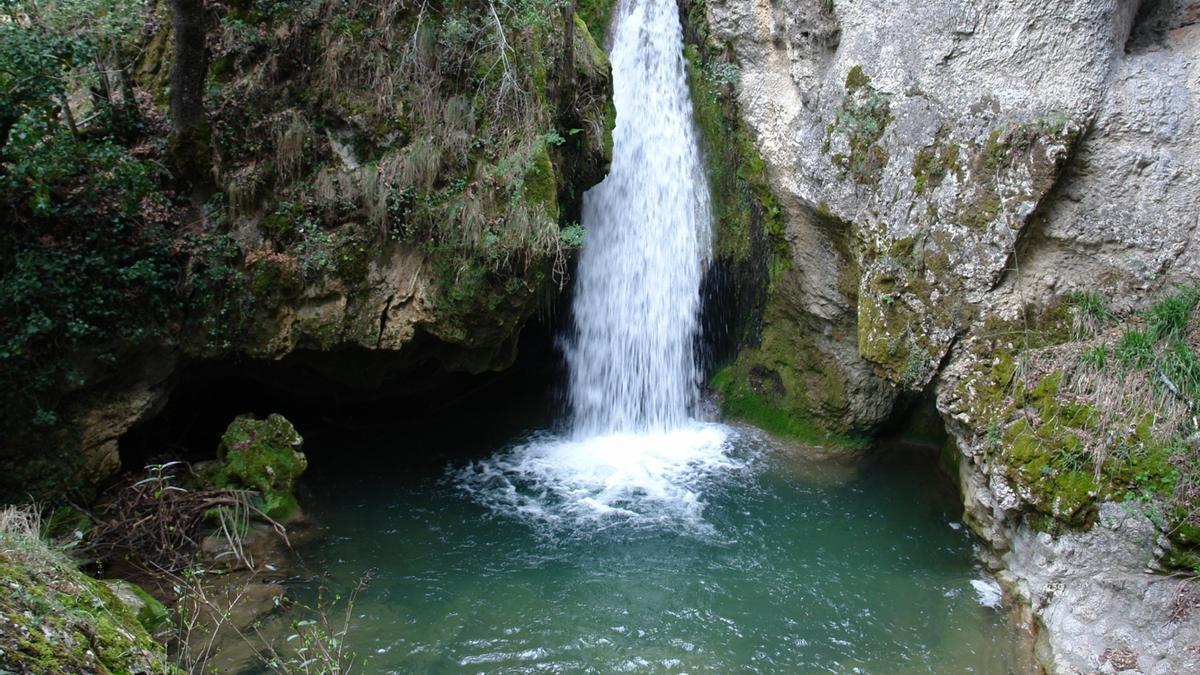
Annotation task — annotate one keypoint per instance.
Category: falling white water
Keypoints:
(632, 361)
(635, 451)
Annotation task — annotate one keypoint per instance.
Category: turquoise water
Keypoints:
(785, 565)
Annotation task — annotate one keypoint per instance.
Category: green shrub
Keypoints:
(85, 257)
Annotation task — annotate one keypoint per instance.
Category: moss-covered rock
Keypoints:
(55, 619)
(785, 381)
(749, 244)
(263, 455)
(1017, 164)
(150, 612)
(596, 15)
(760, 398)
(747, 220)
(933, 164)
(1045, 419)
(915, 297)
(397, 189)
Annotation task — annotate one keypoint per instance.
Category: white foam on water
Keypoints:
(988, 592)
(647, 478)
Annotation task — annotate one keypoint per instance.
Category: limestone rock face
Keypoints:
(1098, 609)
(949, 172)
(915, 141)
(76, 456)
(1123, 220)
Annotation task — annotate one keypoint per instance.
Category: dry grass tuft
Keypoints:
(292, 131)
(20, 525)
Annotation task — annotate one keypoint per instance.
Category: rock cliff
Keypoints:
(975, 195)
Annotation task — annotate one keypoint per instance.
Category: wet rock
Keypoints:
(262, 547)
(828, 465)
(151, 613)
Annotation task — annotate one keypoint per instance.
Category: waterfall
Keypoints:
(635, 452)
(632, 356)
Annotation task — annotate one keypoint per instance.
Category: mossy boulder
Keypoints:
(764, 397)
(55, 619)
(150, 612)
(263, 455)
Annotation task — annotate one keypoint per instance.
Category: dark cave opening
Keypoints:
(373, 392)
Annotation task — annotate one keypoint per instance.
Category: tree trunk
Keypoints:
(191, 136)
(103, 91)
(567, 74)
(130, 113)
(67, 114)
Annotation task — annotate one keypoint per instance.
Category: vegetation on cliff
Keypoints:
(352, 153)
(1081, 405)
(347, 129)
(86, 248)
(751, 256)
(859, 125)
(747, 220)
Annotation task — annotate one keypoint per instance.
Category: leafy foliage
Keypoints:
(85, 252)
(460, 128)
(342, 131)
(33, 62)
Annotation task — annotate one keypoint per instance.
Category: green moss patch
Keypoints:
(55, 619)
(1014, 166)
(933, 164)
(886, 337)
(151, 613)
(597, 15)
(765, 388)
(1043, 389)
(742, 200)
(263, 455)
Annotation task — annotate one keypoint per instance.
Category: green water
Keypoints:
(797, 566)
